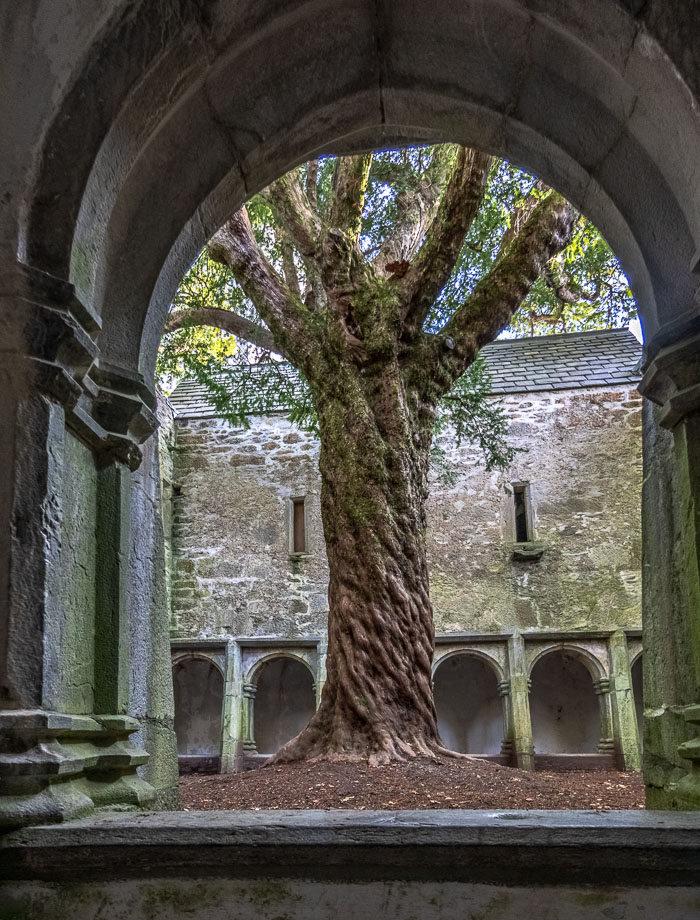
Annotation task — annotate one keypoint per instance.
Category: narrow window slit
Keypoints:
(522, 523)
(298, 526)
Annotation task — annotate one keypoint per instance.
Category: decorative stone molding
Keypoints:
(688, 789)
(44, 321)
(108, 407)
(601, 686)
(503, 687)
(55, 766)
(672, 379)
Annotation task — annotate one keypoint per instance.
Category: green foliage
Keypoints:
(588, 268)
(584, 288)
(200, 351)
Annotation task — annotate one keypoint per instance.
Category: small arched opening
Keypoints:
(564, 708)
(469, 708)
(198, 689)
(637, 674)
(284, 702)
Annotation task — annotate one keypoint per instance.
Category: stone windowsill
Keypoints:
(528, 552)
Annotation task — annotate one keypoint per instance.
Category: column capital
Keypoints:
(249, 691)
(672, 376)
(602, 685)
(503, 687)
(45, 328)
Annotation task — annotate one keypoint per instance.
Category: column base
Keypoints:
(55, 767)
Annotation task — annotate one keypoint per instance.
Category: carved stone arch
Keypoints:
(548, 89)
(477, 653)
(182, 656)
(254, 673)
(591, 662)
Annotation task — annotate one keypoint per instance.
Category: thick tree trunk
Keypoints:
(377, 702)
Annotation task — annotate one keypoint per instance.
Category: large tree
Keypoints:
(366, 274)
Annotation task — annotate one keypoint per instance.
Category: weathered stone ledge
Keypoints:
(621, 848)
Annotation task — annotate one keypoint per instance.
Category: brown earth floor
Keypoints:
(419, 784)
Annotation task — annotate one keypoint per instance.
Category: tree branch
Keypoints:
(225, 320)
(438, 255)
(292, 207)
(312, 183)
(416, 201)
(501, 292)
(282, 311)
(349, 188)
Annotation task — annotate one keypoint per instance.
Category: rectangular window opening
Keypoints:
(523, 530)
(298, 526)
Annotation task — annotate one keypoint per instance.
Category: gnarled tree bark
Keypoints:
(376, 378)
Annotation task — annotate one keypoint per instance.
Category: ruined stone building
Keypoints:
(130, 132)
(535, 574)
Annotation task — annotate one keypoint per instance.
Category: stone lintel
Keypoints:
(672, 379)
(533, 848)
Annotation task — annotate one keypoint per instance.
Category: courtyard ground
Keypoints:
(419, 784)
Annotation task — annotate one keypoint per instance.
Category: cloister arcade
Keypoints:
(570, 717)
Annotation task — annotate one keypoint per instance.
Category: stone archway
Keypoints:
(285, 700)
(469, 707)
(601, 102)
(563, 706)
(198, 689)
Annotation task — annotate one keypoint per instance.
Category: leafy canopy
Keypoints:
(583, 288)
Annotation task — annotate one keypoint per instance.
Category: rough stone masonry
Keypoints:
(575, 417)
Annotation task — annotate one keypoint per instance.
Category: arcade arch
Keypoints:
(285, 700)
(469, 707)
(198, 691)
(564, 710)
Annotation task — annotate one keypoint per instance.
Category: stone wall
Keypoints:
(234, 574)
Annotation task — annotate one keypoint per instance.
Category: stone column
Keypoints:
(508, 729)
(606, 743)
(320, 670)
(231, 735)
(520, 704)
(247, 719)
(68, 442)
(625, 731)
(671, 566)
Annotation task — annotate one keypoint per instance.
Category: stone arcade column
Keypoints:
(671, 569)
(69, 430)
(520, 704)
(247, 720)
(624, 714)
(233, 700)
(507, 749)
(606, 743)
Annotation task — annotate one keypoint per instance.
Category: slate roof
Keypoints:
(611, 357)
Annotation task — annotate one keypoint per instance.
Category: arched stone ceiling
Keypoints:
(178, 111)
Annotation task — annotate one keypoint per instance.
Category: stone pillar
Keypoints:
(625, 731)
(671, 566)
(247, 719)
(520, 704)
(508, 729)
(606, 743)
(320, 670)
(69, 432)
(231, 737)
